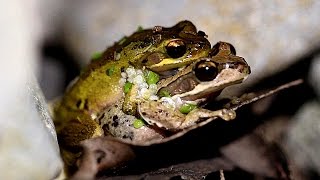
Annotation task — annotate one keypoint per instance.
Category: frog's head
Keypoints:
(207, 77)
(163, 49)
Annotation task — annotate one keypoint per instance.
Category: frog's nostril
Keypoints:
(249, 69)
(244, 68)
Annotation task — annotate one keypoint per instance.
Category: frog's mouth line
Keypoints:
(209, 93)
(225, 78)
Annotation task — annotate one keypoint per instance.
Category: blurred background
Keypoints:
(280, 40)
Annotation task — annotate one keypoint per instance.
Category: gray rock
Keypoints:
(314, 76)
(40, 105)
(302, 139)
(29, 148)
(28, 145)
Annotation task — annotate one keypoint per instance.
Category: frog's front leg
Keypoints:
(77, 130)
(199, 113)
(155, 113)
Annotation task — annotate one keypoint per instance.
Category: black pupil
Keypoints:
(176, 51)
(206, 72)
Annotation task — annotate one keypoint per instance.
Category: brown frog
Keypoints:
(178, 100)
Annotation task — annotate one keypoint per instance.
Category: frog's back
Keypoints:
(98, 86)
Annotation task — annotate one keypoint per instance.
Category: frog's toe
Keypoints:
(227, 114)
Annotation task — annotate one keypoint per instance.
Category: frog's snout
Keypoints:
(244, 68)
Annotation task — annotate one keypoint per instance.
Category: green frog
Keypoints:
(101, 84)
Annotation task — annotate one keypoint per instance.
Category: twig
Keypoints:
(270, 92)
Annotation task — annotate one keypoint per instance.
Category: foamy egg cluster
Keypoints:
(137, 78)
(147, 91)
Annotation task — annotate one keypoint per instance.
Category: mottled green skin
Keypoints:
(96, 89)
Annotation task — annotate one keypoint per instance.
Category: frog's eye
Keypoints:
(232, 49)
(206, 70)
(176, 48)
(215, 49)
(222, 46)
